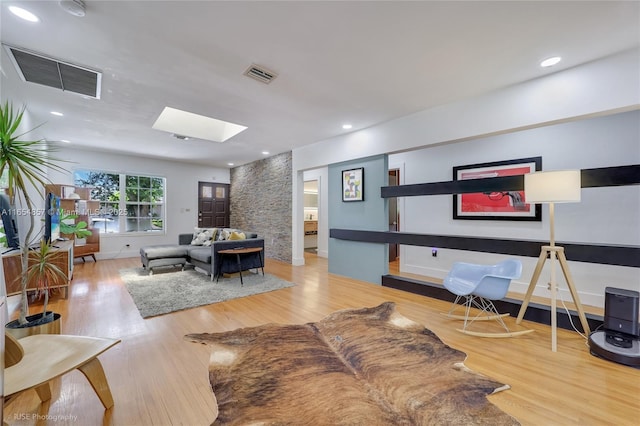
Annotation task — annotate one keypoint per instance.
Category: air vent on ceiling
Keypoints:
(37, 68)
(260, 73)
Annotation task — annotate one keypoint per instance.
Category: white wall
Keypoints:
(604, 216)
(181, 194)
(599, 88)
(606, 86)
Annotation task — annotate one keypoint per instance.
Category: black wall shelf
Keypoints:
(591, 178)
(591, 253)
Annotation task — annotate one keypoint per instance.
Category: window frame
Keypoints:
(122, 211)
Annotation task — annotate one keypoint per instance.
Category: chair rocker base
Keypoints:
(487, 312)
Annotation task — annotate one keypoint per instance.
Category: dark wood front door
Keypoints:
(213, 205)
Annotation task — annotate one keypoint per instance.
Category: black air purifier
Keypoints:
(619, 341)
(621, 310)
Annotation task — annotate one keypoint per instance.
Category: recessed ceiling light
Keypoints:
(59, 114)
(265, 152)
(65, 141)
(347, 126)
(24, 14)
(229, 164)
(549, 62)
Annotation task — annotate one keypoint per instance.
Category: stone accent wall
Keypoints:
(261, 200)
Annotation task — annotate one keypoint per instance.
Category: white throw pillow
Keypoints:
(225, 233)
(203, 236)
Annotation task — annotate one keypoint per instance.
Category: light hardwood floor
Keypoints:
(157, 378)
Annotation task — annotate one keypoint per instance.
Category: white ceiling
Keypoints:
(358, 62)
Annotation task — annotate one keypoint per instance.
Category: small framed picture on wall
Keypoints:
(353, 185)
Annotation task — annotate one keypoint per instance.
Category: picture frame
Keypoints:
(503, 205)
(353, 185)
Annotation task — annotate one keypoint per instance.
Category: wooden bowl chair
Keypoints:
(479, 285)
(33, 361)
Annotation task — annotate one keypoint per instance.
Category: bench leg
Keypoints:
(44, 392)
(94, 373)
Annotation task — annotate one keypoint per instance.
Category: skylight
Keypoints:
(185, 123)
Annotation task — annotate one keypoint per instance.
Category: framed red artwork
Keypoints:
(496, 205)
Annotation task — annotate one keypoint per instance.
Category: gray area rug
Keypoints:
(175, 290)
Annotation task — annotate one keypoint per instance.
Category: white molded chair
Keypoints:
(479, 285)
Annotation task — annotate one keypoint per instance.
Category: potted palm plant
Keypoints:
(26, 163)
(43, 272)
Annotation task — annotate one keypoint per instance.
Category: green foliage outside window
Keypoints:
(143, 203)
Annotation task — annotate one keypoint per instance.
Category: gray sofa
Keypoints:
(204, 257)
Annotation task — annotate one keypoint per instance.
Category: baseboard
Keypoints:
(536, 312)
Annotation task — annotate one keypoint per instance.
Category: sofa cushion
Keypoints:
(201, 254)
(204, 236)
(236, 235)
(162, 251)
(225, 233)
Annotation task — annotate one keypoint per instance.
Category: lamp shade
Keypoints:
(562, 186)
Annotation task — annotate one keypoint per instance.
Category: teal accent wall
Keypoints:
(362, 261)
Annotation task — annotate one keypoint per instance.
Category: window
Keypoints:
(141, 209)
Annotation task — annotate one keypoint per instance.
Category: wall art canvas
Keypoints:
(496, 205)
(353, 185)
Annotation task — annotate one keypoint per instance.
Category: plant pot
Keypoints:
(36, 324)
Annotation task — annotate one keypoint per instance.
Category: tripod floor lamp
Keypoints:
(548, 188)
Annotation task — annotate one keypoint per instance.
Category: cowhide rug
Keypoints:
(368, 366)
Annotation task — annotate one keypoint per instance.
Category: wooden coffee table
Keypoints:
(239, 252)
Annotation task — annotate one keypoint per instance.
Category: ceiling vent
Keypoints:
(40, 69)
(74, 7)
(260, 73)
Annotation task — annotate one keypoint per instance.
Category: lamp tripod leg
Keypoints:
(554, 306)
(574, 294)
(532, 285)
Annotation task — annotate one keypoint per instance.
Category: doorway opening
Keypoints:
(394, 222)
(311, 216)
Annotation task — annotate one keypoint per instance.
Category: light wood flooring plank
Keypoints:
(157, 378)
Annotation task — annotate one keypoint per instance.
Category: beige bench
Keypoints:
(33, 361)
